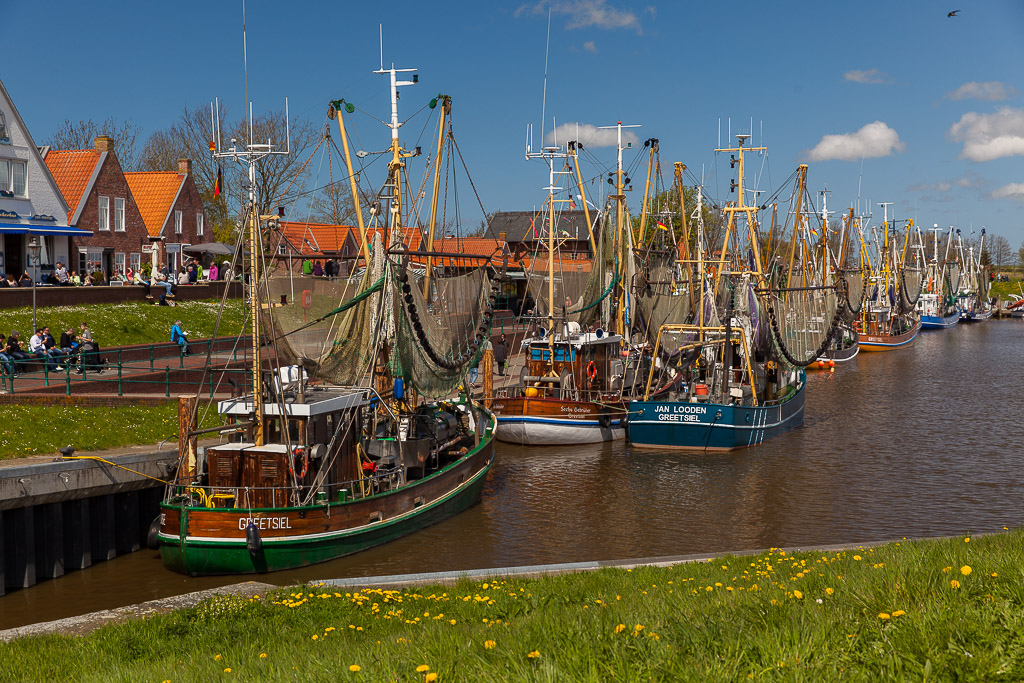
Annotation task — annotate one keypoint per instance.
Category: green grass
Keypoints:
(944, 609)
(1005, 289)
(125, 324)
(44, 429)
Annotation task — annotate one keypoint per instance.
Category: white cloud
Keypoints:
(990, 91)
(590, 47)
(873, 140)
(589, 135)
(868, 76)
(586, 14)
(990, 136)
(1013, 191)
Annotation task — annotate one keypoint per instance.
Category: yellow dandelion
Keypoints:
(945, 570)
(217, 658)
(534, 654)
(489, 644)
(263, 655)
(829, 591)
(798, 595)
(898, 613)
(316, 637)
(638, 628)
(954, 583)
(227, 670)
(856, 557)
(966, 570)
(994, 575)
(355, 668)
(620, 628)
(422, 668)
(883, 616)
(430, 677)
(452, 622)
(967, 540)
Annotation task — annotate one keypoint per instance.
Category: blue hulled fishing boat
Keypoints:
(731, 376)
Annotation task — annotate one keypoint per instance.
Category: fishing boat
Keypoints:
(844, 345)
(355, 431)
(975, 282)
(733, 376)
(577, 373)
(937, 306)
(888, 320)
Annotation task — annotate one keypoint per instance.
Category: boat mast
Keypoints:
(620, 208)
(739, 207)
(398, 155)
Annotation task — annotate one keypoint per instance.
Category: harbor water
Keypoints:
(923, 441)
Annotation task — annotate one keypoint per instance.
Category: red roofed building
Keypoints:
(99, 199)
(171, 209)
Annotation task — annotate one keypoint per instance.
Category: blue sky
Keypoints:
(948, 92)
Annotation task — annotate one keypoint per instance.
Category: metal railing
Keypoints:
(139, 371)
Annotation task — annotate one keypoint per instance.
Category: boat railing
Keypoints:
(245, 497)
(610, 398)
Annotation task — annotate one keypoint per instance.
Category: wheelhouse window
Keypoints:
(104, 219)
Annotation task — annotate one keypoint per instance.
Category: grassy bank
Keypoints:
(1005, 289)
(945, 609)
(128, 323)
(44, 429)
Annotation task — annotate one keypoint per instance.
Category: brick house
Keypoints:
(99, 199)
(172, 210)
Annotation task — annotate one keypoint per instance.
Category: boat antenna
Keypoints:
(544, 93)
(860, 178)
(245, 66)
(381, 27)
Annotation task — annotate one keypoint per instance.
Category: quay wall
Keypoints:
(50, 295)
(58, 515)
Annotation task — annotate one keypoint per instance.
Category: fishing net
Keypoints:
(803, 321)
(983, 283)
(589, 309)
(853, 291)
(437, 342)
(953, 270)
(911, 282)
(338, 348)
(663, 298)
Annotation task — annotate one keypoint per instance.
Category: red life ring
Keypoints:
(591, 371)
(296, 452)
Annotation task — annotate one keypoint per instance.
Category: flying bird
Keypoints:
(953, 13)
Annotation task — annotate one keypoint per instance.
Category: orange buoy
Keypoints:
(700, 389)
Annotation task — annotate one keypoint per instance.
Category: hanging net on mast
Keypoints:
(663, 296)
(852, 290)
(437, 342)
(911, 285)
(339, 348)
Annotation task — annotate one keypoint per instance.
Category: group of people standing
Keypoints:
(75, 350)
(330, 268)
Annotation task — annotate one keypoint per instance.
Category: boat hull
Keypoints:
(874, 343)
(209, 541)
(556, 422)
(937, 322)
(697, 426)
(836, 356)
(975, 316)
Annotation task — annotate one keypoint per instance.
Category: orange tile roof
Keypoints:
(72, 170)
(154, 193)
(315, 238)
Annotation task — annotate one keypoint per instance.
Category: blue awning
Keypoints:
(25, 228)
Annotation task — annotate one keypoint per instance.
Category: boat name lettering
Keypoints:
(575, 409)
(680, 412)
(265, 522)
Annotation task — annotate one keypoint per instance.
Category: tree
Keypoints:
(332, 204)
(189, 138)
(82, 135)
(1000, 250)
(1020, 254)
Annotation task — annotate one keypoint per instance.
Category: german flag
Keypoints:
(218, 187)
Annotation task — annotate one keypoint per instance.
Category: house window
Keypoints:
(199, 224)
(83, 262)
(119, 262)
(12, 177)
(135, 261)
(177, 222)
(119, 215)
(104, 222)
(3, 128)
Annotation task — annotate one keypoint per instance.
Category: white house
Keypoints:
(32, 207)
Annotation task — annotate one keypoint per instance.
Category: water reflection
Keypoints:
(908, 443)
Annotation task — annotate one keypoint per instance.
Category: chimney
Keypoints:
(502, 236)
(104, 143)
(185, 166)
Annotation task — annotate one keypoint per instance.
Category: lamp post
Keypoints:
(33, 254)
